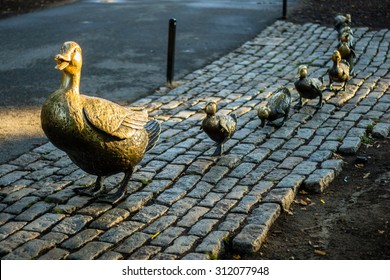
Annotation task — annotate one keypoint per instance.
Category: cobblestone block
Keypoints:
(15, 240)
(26, 159)
(145, 253)
(293, 144)
(55, 254)
(29, 250)
(203, 227)
(381, 130)
(330, 145)
(319, 180)
(261, 188)
(201, 190)
(284, 132)
(350, 145)
(250, 239)
(273, 144)
(264, 214)
(81, 238)
(161, 224)
(292, 181)
(245, 205)
(192, 216)
(170, 172)
(90, 251)
(276, 175)
(215, 174)
(282, 196)
(213, 244)
(237, 192)
(111, 256)
(304, 151)
(9, 228)
(211, 199)
(132, 243)
(182, 206)
(12, 177)
(182, 245)
(95, 209)
(290, 162)
(5, 217)
(334, 164)
(73, 224)
(7, 168)
(232, 222)
(321, 155)
(22, 204)
(55, 237)
(199, 167)
(156, 187)
(121, 231)
(305, 168)
(170, 196)
(242, 149)
(110, 218)
(150, 213)
(257, 155)
(221, 208)
(242, 170)
(44, 222)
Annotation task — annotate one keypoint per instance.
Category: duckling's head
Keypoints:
(302, 71)
(345, 37)
(336, 57)
(348, 18)
(211, 108)
(69, 58)
(263, 114)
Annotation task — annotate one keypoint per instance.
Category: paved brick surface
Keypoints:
(183, 203)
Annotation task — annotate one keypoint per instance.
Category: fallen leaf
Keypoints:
(319, 252)
(381, 231)
(366, 175)
(236, 257)
(155, 235)
(322, 201)
(303, 202)
(303, 192)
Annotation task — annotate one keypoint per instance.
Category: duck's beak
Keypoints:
(62, 62)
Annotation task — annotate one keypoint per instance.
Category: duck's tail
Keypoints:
(154, 129)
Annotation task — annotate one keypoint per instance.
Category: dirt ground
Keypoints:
(350, 220)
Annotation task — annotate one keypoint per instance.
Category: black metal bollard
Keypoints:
(284, 16)
(171, 50)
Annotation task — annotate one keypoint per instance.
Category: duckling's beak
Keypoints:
(62, 61)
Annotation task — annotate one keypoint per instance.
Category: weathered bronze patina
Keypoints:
(308, 88)
(342, 21)
(339, 72)
(101, 137)
(277, 107)
(347, 51)
(219, 128)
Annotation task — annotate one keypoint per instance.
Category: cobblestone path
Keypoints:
(183, 203)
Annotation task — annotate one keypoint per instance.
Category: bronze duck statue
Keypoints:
(219, 128)
(277, 107)
(339, 72)
(308, 88)
(100, 136)
(341, 21)
(347, 51)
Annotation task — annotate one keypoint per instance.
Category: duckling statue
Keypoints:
(307, 87)
(339, 72)
(219, 128)
(101, 137)
(278, 107)
(342, 21)
(347, 51)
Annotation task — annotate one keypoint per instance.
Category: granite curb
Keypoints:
(183, 203)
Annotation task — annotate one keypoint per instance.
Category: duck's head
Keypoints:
(336, 57)
(345, 37)
(263, 114)
(211, 108)
(69, 58)
(348, 18)
(302, 71)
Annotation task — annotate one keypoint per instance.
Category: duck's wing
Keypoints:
(315, 83)
(113, 118)
(228, 123)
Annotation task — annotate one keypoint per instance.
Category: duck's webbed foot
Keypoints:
(117, 196)
(94, 190)
(218, 151)
(319, 105)
(298, 105)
